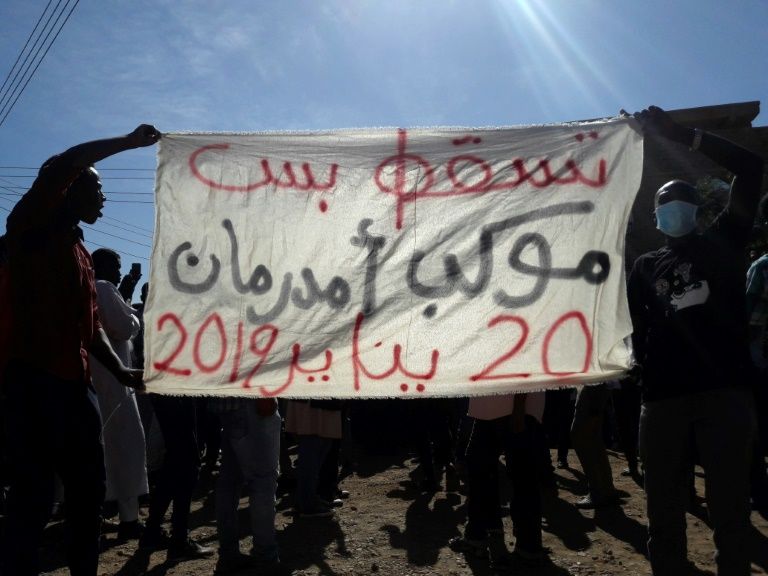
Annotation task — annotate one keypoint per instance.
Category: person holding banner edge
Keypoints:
(688, 310)
(52, 417)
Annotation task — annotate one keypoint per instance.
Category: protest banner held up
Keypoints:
(391, 262)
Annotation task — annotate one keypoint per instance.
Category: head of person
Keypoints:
(675, 208)
(106, 265)
(85, 200)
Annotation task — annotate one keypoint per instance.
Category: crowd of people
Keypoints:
(74, 411)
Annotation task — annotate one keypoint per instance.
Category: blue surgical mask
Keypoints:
(676, 218)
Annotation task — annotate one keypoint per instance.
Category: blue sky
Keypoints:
(246, 65)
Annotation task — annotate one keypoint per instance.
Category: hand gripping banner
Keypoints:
(391, 262)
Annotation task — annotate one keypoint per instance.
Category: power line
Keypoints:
(9, 191)
(6, 107)
(19, 195)
(40, 19)
(118, 251)
(2, 120)
(107, 192)
(100, 177)
(127, 223)
(24, 66)
(143, 234)
(104, 191)
(115, 236)
(6, 181)
(11, 187)
(4, 209)
(100, 169)
(130, 201)
(123, 252)
(129, 193)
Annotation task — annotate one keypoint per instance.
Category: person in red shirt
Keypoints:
(53, 425)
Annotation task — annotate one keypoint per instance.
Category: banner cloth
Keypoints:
(391, 262)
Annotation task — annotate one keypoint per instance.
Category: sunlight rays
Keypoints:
(557, 68)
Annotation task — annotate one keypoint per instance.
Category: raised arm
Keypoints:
(58, 172)
(88, 153)
(746, 166)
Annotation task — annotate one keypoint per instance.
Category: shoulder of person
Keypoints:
(105, 285)
(648, 259)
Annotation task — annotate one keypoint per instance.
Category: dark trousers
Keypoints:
(53, 426)
(525, 468)
(431, 420)
(626, 402)
(721, 424)
(558, 416)
(483, 507)
(523, 453)
(312, 453)
(328, 478)
(208, 431)
(178, 476)
(587, 438)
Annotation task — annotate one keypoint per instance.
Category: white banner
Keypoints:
(383, 263)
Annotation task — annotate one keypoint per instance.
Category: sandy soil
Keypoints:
(388, 527)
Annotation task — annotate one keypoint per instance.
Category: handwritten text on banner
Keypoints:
(381, 263)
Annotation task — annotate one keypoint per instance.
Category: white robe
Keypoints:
(124, 446)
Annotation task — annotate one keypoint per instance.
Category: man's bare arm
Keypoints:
(102, 350)
(89, 153)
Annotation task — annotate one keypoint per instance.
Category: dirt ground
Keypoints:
(389, 527)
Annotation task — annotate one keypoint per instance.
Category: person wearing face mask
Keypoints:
(690, 340)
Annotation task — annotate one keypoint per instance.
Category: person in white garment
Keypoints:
(124, 445)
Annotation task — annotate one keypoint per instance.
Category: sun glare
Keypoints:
(557, 67)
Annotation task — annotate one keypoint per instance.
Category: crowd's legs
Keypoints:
(250, 455)
(316, 425)
(311, 455)
(208, 433)
(176, 479)
(721, 423)
(626, 403)
(53, 426)
(483, 506)
(434, 437)
(524, 468)
(558, 418)
(525, 471)
(587, 439)
(328, 477)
